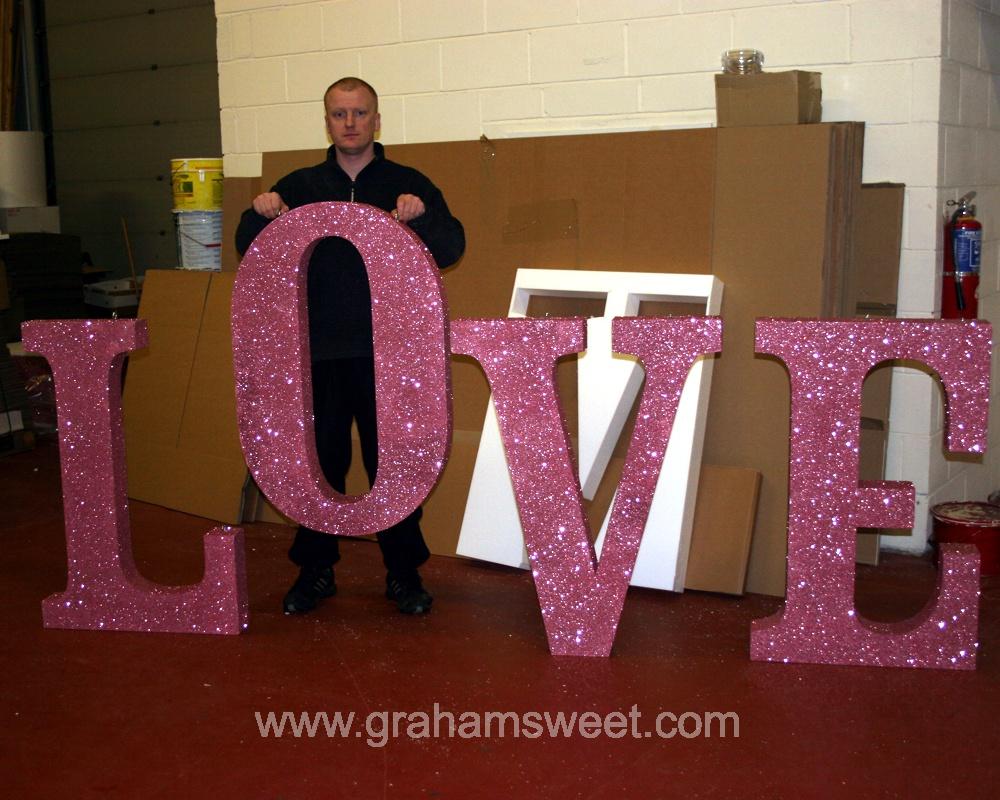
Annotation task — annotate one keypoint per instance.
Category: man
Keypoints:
(340, 326)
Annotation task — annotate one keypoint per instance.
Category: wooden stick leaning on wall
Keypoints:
(128, 251)
(8, 64)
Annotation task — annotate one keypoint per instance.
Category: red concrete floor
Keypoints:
(121, 715)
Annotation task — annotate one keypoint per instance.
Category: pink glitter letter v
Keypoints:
(828, 361)
(104, 590)
(581, 600)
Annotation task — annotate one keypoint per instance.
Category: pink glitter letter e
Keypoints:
(827, 362)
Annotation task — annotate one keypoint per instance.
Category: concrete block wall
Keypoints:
(921, 73)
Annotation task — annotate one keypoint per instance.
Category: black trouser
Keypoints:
(344, 391)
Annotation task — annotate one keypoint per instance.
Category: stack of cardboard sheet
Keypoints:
(768, 210)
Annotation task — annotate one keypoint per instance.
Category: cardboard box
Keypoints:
(723, 529)
(768, 98)
(875, 249)
(41, 219)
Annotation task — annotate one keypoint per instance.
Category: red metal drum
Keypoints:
(971, 523)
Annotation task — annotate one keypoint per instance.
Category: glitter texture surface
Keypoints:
(581, 600)
(274, 381)
(104, 590)
(827, 362)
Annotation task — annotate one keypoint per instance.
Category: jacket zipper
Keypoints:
(352, 191)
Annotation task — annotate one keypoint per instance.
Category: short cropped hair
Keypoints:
(349, 83)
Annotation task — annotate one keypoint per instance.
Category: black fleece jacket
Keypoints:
(339, 297)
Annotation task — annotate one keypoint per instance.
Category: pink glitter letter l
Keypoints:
(828, 361)
(581, 600)
(104, 589)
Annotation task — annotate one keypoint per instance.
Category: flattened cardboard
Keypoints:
(723, 528)
(237, 196)
(768, 98)
(875, 249)
(773, 253)
(179, 404)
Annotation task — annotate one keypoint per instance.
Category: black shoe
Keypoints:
(312, 585)
(408, 593)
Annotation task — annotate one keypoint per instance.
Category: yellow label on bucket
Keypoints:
(197, 184)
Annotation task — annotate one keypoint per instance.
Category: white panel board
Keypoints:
(608, 384)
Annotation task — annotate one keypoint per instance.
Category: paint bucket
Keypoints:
(971, 523)
(196, 183)
(199, 239)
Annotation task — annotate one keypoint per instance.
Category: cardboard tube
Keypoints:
(22, 169)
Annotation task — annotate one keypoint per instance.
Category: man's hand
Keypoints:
(269, 205)
(408, 206)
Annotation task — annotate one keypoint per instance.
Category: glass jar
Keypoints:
(744, 61)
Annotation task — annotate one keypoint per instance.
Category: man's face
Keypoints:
(351, 119)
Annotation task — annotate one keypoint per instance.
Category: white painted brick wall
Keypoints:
(425, 20)
(601, 97)
(921, 230)
(255, 82)
(919, 292)
(603, 10)
(891, 150)
(521, 15)
(883, 30)
(961, 161)
(922, 75)
(679, 92)
(308, 75)
(484, 61)
(393, 119)
(962, 33)
(790, 36)
(910, 459)
(927, 94)
(511, 104)
(280, 31)
(410, 68)
(442, 117)
(359, 23)
(973, 97)
(293, 126)
(877, 93)
(579, 53)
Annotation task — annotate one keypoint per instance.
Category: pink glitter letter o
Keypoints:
(274, 379)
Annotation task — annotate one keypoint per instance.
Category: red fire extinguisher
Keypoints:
(963, 241)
